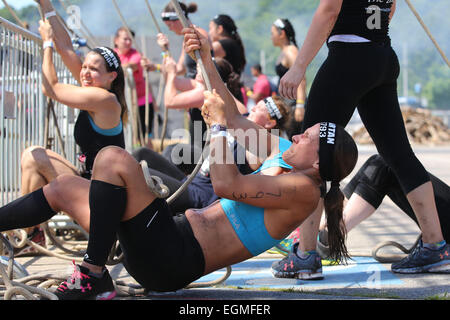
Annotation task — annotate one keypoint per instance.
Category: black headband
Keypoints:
(110, 58)
(327, 137)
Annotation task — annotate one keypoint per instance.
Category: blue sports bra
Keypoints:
(248, 220)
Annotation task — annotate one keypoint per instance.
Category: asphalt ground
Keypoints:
(363, 279)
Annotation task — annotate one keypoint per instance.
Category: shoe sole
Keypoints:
(440, 267)
(106, 296)
(298, 275)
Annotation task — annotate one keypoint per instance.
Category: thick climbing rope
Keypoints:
(427, 31)
(161, 81)
(13, 13)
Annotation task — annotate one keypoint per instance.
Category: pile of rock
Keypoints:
(421, 126)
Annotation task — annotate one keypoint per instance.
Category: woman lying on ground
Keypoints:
(271, 114)
(256, 211)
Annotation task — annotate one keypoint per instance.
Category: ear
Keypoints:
(316, 164)
(113, 75)
(219, 29)
(270, 124)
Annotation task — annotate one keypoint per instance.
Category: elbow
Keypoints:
(221, 188)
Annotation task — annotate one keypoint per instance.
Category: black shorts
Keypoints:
(160, 250)
(375, 180)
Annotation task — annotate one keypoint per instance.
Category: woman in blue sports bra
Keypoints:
(260, 210)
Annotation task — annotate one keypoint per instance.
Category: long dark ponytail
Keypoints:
(231, 31)
(118, 85)
(338, 155)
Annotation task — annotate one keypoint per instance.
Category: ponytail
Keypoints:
(337, 232)
(338, 155)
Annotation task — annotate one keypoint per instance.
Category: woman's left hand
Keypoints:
(213, 110)
(46, 31)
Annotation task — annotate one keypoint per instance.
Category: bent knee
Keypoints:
(31, 156)
(112, 157)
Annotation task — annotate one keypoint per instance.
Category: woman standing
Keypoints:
(361, 70)
(131, 58)
(283, 36)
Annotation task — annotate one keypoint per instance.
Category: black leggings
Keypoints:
(160, 249)
(375, 180)
(364, 75)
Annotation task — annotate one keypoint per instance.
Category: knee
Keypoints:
(56, 190)
(112, 159)
(31, 157)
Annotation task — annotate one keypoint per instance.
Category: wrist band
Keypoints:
(300, 101)
(158, 67)
(249, 93)
(50, 14)
(299, 106)
(219, 134)
(47, 44)
(163, 54)
(216, 128)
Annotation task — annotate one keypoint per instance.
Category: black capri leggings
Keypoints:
(375, 180)
(364, 75)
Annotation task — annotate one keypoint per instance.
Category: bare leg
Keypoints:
(39, 167)
(424, 206)
(309, 229)
(356, 210)
(117, 167)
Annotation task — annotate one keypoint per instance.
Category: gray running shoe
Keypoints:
(295, 267)
(424, 260)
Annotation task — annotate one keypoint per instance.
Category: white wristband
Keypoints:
(219, 134)
(299, 106)
(50, 14)
(48, 44)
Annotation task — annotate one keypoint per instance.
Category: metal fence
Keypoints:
(27, 117)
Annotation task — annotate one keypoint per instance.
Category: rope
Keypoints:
(392, 258)
(87, 34)
(161, 81)
(23, 24)
(428, 32)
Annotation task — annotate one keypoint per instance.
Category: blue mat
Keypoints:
(360, 272)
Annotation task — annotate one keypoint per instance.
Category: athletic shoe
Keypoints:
(38, 237)
(295, 267)
(424, 260)
(82, 286)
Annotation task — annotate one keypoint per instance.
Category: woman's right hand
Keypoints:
(170, 66)
(193, 41)
(46, 31)
(213, 109)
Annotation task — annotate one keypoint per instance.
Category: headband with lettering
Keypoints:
(110, 58)
(169, 16)
(271, 106)
(327, 137)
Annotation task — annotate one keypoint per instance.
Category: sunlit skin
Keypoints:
(123, 42)
(174, 26)
(94, 74)
(304, 149)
